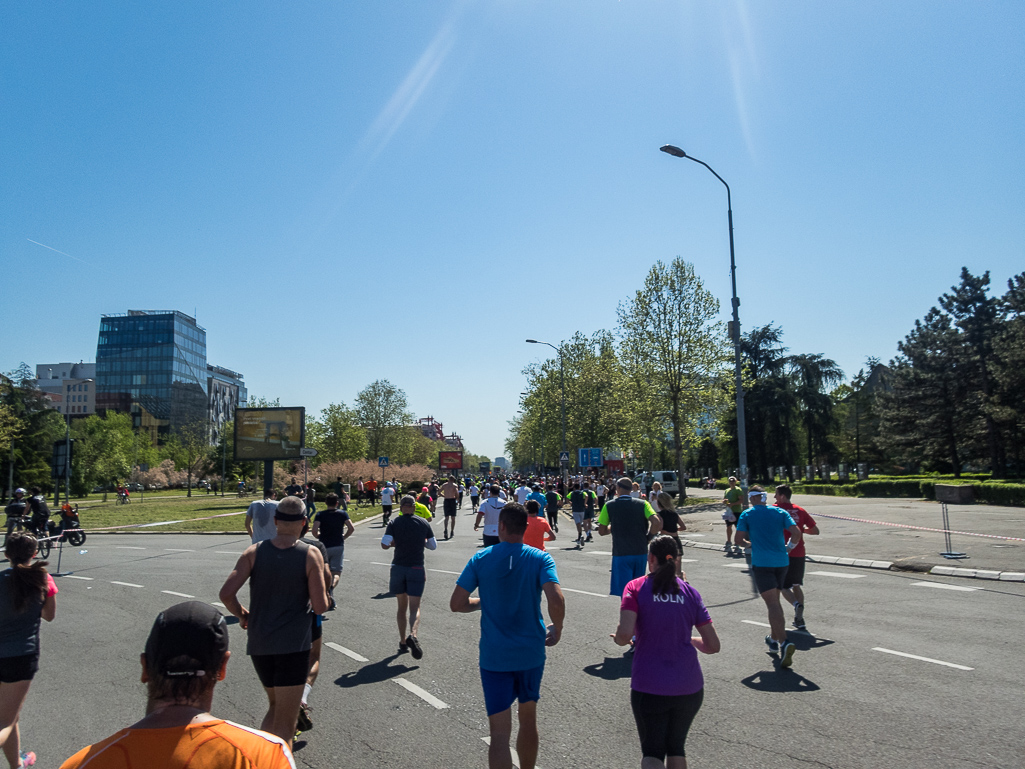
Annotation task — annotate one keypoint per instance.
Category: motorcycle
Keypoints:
(70, 528)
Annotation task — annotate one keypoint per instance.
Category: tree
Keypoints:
(1009, 373)
(669, 330)
(382, 411)
(337, 435)
(32, 428)
(813, 375)
(104, 448)
(189, 447)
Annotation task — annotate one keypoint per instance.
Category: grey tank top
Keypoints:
(279, 601)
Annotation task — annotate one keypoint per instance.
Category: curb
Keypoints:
(867, 563)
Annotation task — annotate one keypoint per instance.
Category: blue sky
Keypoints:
(406, 190)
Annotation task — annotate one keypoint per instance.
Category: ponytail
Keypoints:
(28, 579)
(663, 578)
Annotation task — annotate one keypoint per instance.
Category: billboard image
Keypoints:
(270, 433)
(450, 460)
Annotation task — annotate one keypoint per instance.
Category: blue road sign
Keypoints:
(564, 456)
(596, 458)
(583, 457)
(382, 461)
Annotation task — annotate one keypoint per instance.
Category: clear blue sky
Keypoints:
(348, 191)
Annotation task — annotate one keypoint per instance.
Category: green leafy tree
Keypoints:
(1009, 373)
(189, 447)
(814, 376)
(31, 428)
(383, 412)
(337, 435)
(105, 448)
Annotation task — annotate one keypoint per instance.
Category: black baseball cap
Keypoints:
(192, 635)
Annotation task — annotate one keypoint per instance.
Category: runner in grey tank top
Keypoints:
(279, 620)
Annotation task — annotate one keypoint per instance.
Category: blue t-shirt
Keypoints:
(765, 526)
(540, 498)
(512, 630)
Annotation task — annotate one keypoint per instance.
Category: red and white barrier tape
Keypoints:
(919, 528)
(146, 525)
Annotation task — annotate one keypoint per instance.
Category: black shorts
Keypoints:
(407, 579)
(386, 509)
(663, 721)
(474, 501)
(795, 573)
(14, 669)
(276, 670)
(490, 541)
(318, 626)
(769, 577)
(450, 506)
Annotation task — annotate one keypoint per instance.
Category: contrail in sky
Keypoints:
(83, 261)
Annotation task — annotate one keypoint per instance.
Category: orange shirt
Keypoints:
(214, 744)
(535, 533)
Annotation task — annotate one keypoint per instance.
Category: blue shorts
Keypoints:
(407, 579)
(626, 568)
(502, 688)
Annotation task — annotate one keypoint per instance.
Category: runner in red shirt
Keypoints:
(792, 585)
(538, 529)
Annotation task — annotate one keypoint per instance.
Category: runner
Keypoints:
(537, 496)
(734, 501)
(370, 489)
(260, 518)
(311, 501)
(666, 685)
(762, 528)
(510, 578)
(538, 530)
(589, 500)
(631, 522)
(286, 578)
(474, 497)
(522, 492)
(552, 504)
(409, 535)
(332, 527)
(186, 655)
(672, 524)
(433, 490)
(462, 488)
(387, 500)
(450, 493)
(578, 506)
(601, 491)
(793, 585)
(489, 511)
(304, 722)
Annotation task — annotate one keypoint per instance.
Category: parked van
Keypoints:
(668, 479)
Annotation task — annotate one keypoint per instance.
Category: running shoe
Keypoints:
(787, 656)
(589, 538)
(414, 646)
(403, 648)
(773, 645)
(28, 759)
(304, 724)
(799, 615)
(728, 547)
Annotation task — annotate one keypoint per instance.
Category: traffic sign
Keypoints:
(382, 461)
(596, 459)
(304, 452)
(564, 456)
(589, 457)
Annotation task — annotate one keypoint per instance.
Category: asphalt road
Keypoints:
(846, 703)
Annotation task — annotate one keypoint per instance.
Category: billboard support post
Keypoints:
(268, 474)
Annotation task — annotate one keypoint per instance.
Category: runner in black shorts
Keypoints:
(451, 494)
(409, 535)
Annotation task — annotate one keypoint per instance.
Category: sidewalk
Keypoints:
(913, 549)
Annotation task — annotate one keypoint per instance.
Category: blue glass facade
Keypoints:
(153, 365)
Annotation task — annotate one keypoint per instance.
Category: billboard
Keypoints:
(450, 460)
(270, 433)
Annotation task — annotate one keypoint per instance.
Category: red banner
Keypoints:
(450, 460)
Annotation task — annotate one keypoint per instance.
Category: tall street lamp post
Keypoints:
(562, 388)
(676, 152)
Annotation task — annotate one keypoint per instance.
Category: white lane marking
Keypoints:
(423, 694)
(752, 622)
(178, 550)
(127, 547)
(125, 584)
(515, 755)
(693, 535)
(839, 574)
(593, 552)
(180, 595)
(942, 586)
(226, 552)
(218, 603)
(346, 652)
(923, 659)
(75, 576)
(443, 571)
(735, 565)
(378, 563)
(788, 630)
(687, 560)
(585, 592)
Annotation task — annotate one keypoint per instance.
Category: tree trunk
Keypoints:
(678, 448)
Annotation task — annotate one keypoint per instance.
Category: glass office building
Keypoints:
(152, 364)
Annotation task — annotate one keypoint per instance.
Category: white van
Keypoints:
(668, 479)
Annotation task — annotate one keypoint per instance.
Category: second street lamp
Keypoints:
(562, 389)
(676, 152)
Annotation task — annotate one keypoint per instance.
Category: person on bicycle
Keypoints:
(15, 511)
(39, 512)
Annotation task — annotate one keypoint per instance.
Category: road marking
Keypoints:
(218, 603)
(759, 624)
(75, 576)
(226, 552)
(515, 755)
(788, 630)
(125, 584)
(128, 547)
(923, 659)
(443, 571)
(423, 694)
(584, 592)
(593, 552)
(378, 563)
(178, 550)
(180, 595)
(735, 565)
(346, 652)
(839, 574)
(693, 535)
(942, 586)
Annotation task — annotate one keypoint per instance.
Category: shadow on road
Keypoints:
(779, 681)
(379, 596)
(806, 642)
(374, 673)
(611, 669)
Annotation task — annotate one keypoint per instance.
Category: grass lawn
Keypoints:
(96, 514)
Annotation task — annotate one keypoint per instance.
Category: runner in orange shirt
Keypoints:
(538, 529)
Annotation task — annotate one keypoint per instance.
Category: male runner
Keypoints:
(522, 492)
(462, 488)
(304, 723)
(409, 535)
(578, 505)
(433, 490)
(387, 500)
(589, 499)
(260, 518)
(762, 528)
(510, 578)
(474, 497)
(332, 527)
(734, 501)
(538, 497)
(185, 656)
(489, 511)
(631, 522)
(285, 577)
(552, 504)
(450, 495)
(793, 585)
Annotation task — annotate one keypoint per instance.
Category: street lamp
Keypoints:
(562, 388)
(676, 152)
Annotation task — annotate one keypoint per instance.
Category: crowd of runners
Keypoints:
(294, 566)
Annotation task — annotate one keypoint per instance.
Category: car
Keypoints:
(133, 486)
(669, 481)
